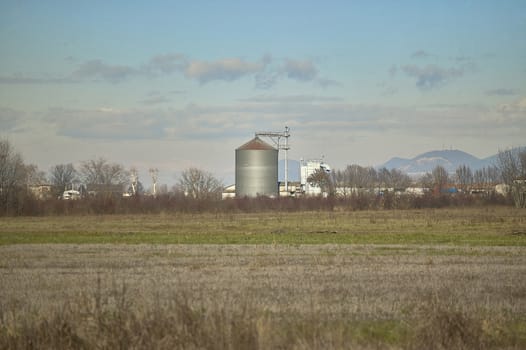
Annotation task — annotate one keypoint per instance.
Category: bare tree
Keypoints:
(480, 178)
(426, 180)
(34, 176)
(440, 178)
(400, 179)
(494, 176)
(13, 179)
(464, 177)
(200, 184)
(512, 165)
(393, 178)
(101, 172)
(384, 177)
(360, 177)
(62, 176)
(340, 183)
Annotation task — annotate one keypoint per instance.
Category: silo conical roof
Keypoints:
(256, 144)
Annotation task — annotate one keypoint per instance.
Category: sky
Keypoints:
(178, 84)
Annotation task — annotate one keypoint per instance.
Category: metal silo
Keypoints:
(256, 169)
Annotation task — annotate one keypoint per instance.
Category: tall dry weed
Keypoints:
(440, 323)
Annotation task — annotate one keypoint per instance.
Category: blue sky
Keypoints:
(177, 84)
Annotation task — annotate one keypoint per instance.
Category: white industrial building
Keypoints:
(307, 168)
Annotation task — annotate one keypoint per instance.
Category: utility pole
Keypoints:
(276, 138)
(154, 173)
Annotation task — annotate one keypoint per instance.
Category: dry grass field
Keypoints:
(437, 279)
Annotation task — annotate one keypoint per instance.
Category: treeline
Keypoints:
(199, 191)
(510, 173)
(355, 177)
(26, 190)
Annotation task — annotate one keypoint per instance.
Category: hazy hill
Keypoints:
(425, 162)
(449, 159)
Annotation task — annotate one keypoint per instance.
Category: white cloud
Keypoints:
(228, 69)
(207, 135)
(324, 82)
(291, 99)
(421, 54)
(96, 69)
(168, 63)
(514, 112)
(17, 79)
(154, 100)
(265, 71)
(501, 92)
(105, 123)
(300, 70)
(9, 119)
(431, 76)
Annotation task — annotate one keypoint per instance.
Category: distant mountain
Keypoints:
(449, 159)
(423, 163)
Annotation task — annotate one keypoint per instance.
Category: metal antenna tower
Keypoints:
(276, 138)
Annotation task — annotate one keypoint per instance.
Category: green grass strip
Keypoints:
(258, 238)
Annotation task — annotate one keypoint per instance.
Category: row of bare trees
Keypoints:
(510, 171)
(463, 178)
(357, 177)
(193, 182)
(16, 177)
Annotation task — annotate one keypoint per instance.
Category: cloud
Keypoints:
(431, 76)
(70, 59)
(21, 79)
(300, 112)
(9, 119)
(303, 71)
(300, 70)
(462, 58)
(168, 63)
(228, 69)
(93, 69)
(265, 71)
(96, 69)
(515, 111)
(154, 100)
(324, 82)
(106, 123)
(502, 92)
(266, 79)
(292, 99)
(387, 89)
(421, 54)
(208, 134)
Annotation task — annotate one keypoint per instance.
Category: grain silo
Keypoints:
(256, 169)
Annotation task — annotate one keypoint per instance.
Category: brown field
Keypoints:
(350, 285)
(288, 296)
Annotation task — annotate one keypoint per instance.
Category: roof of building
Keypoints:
(257, 144)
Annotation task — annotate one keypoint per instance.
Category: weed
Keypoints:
(261, 296)
(442, 325)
